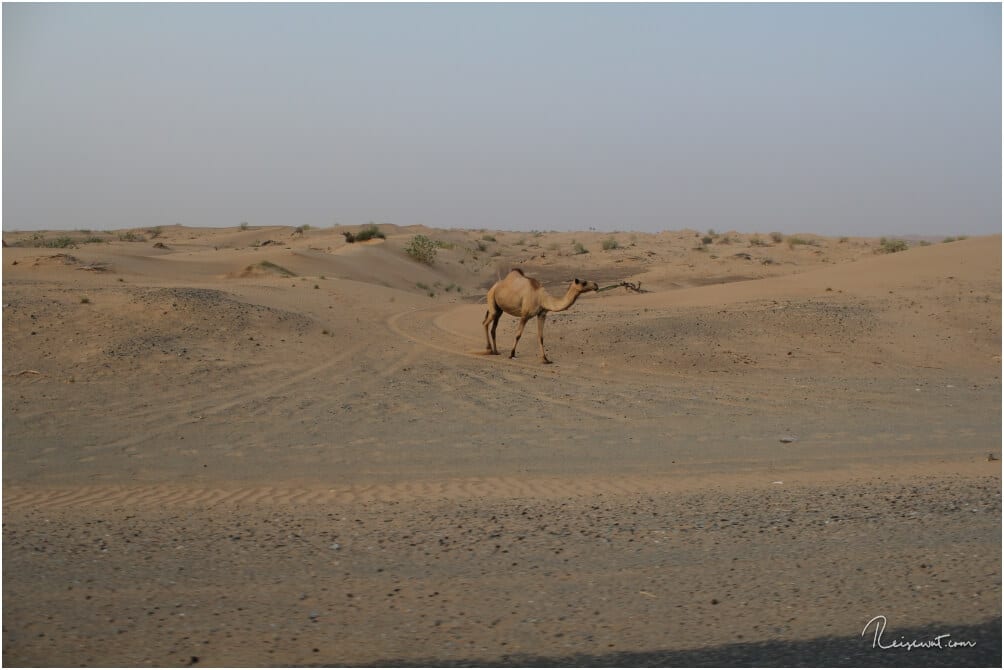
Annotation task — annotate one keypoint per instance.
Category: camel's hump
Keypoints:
(534, 284)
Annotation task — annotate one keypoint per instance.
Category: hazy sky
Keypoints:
(837, 119)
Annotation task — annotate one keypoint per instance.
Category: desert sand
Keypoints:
(270, 446)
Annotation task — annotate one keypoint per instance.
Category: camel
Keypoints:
(525, 298)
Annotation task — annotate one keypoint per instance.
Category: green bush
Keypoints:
(61, 242)
(422, 249)
(610, 243)
(892, 246)
(368, 232)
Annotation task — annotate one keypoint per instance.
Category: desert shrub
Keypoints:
(796, 241)
(244, 225)
(488, 238)
(40, 240)
(269, 265)
(578, 248)
(777, 237)
(610, 243)
(131, 236)
(61, 242)
(892, 246)
(755, 241)
(368, 232)
(422, 249)
(482, 247)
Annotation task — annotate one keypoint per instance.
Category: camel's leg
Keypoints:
(540, 337)
(519, 334)
(492, 317)
(495, 325)
(489, 317)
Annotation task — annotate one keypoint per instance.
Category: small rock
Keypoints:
(335, 546)
(788, 439)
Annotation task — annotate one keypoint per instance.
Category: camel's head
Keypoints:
(585, 286)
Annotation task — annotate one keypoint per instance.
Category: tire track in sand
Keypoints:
(622, 386)
(247, 394)
(166, 496)
(521, 377)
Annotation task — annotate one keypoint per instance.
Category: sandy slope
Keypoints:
(181, 395)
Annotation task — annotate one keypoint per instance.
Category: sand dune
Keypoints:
(187, 384)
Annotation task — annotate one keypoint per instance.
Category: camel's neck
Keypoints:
(552, 304)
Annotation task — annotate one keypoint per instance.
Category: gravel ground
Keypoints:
(775, 576)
